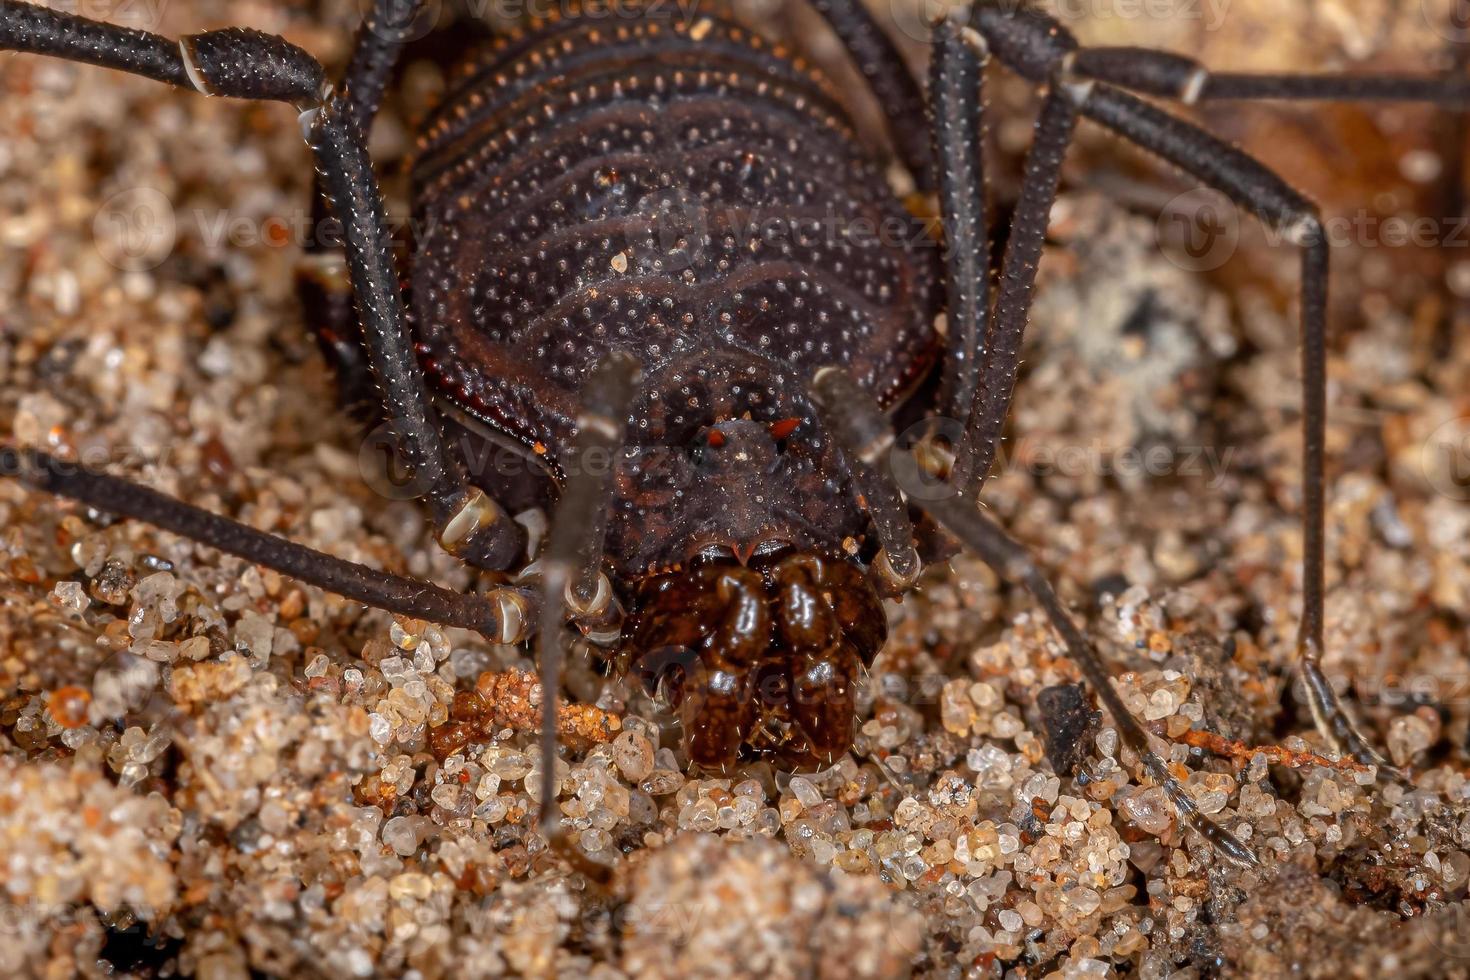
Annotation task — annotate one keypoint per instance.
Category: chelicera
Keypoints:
(582, 290)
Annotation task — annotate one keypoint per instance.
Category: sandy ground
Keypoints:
(206, 769)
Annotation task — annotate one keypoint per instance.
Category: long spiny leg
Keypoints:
(247, 64)
(854, 417)
(1173, 76)
(1252, 186)
(379, 43)
(251, 65)
(1011, 561)
(321, 272)
(1037, 47)
(477, 529)
(380, 40)
(984, 346)
(571, 574)
(957, 113)
(503, 616)
(893, 85)
(1001, 359)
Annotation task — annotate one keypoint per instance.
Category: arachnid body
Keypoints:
(655, 189)
(645, 244)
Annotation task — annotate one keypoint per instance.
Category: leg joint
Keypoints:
(246, 64)
(1305, 229)
(1031, 43)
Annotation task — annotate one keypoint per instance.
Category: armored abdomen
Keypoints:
(692, 195)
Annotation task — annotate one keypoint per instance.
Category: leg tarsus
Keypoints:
(961, 516)
(1333, 721)
(1037, 47)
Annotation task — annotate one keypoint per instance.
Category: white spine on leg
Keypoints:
(191, 69)
(1195, 86)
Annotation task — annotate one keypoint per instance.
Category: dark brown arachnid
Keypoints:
(582, 289)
